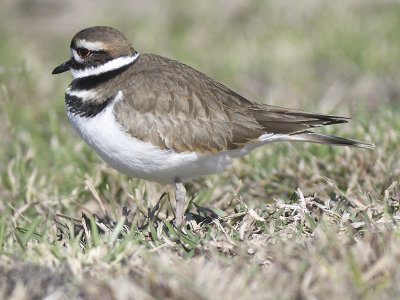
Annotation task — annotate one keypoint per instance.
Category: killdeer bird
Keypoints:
(154, 118)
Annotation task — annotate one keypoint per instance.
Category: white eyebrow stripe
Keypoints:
(94, 46)
(113, 64)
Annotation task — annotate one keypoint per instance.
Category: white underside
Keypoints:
(143, 160)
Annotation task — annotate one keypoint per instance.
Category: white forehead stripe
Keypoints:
(113, 64)
(94, 46)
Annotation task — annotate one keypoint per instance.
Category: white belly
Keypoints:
(138, 159)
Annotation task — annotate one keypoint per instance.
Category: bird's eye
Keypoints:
(83, 52)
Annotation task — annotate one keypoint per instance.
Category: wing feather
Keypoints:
(176, 107)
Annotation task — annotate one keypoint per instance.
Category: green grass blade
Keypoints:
(180, 236)
(117, 230)
(2, 230)
(95, 232)
(219, 212)
(31, 230)
(171, 229)
(311, 221)
(153, 232)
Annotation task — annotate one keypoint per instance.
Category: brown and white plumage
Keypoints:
(158, 119)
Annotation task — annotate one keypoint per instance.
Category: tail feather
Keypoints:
(313, 137)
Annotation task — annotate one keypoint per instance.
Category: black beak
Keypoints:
(62, 68)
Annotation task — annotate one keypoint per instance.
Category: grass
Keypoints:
(288, 221)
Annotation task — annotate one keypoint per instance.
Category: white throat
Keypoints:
(111, 65)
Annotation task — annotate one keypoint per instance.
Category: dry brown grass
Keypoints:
(294, 221)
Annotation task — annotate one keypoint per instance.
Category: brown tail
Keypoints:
(308, 136)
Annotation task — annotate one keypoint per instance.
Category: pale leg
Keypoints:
(180, 193)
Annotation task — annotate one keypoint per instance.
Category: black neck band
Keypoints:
(77, 106)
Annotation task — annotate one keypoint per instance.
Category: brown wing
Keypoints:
(176, 107)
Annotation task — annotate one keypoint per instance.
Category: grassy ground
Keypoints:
(288, 221)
